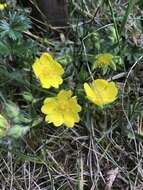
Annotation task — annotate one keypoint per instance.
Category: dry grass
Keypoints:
(104, 151)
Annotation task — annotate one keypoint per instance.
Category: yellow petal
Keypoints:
(76, 118)
(62, 109)
(36, 67)
(56, 118)
(49, 106)
(89, 92)
(46, 57)
(110, 93)
(49, 99)
(112, 89)
(59, 68)
(69, 119)
(48, 71)
(99, 85)
(45, 82)
(75, 107)
(101, 92)
(55, 81)
(64, 94)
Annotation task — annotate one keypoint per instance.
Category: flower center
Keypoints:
(64, 106)
(104, 59)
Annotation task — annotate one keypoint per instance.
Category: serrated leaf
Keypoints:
(14, 26)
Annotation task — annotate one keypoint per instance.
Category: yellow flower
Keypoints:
(48, 71)
(3, 6)
(101, 92)
(103, 59)
(62, 109)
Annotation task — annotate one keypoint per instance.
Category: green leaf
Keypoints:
(17, 131)
(28, 96)
(113, 65)
(4, 48)
(15, 115)
(14, 26)
(105, 69)
(12, 111)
